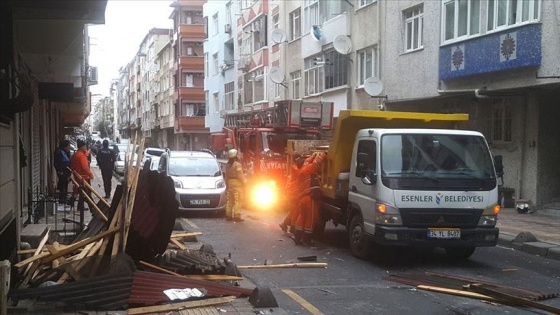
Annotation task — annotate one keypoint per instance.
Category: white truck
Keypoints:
(408, 179)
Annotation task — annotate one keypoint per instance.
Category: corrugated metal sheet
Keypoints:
(148, 287)
(190, 262)
(110, 292)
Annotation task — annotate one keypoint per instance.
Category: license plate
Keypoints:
(444, 233)
(200, 202)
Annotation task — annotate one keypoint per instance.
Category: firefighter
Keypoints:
(292, 192)
(310, 191)
(235, 183)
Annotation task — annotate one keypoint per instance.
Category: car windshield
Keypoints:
(193, 166)
(436, 156)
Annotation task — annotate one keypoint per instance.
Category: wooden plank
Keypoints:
(180, 305)
(90, 188)
(38, 250)
(293, 265)
(133, 186)
(90, 201)
(457, 292)
(32, 259)
(69, 269)
(200, 277)
(482, 289)
(178, 244)
(177, 235)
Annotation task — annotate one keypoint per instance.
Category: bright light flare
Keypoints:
(264, 195)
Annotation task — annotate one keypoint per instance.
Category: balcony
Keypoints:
(192, 31)
(190, 123)
(190, 63)
(190, 93)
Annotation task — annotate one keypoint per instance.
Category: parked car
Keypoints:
(120, 162)
(152, 152)
(199, 181)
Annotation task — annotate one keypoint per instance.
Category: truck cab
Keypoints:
(422, 188)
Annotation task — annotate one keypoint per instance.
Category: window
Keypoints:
(295, 24)
(206, 65)
(501, 122)
(258, 31)
(461, 19)
(336, 70)
(192, 110)
(207, 97)
(229, 95)
(216, 23)
(276, 92)
(367, 64)
(275, 21)
(311, 14)
(216, 102)
(254, 87)
(367, 147)
(189, 80)
(414, 27)
(215, 63)
(363, 3)
(314, 76)
(504, 13)
(296, 79)
(228, 13)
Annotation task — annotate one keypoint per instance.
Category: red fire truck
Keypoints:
(261, 136)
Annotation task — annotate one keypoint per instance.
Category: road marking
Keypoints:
(189, 222)
(308, 306)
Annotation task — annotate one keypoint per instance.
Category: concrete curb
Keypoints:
(527, 243)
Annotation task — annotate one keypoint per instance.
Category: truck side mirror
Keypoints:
(369, 177)
(498, 165)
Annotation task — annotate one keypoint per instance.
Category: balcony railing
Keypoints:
(191, 93)
(192, 31)
(184, 122)
(191, 63)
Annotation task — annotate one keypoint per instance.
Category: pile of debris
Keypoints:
(128, 257)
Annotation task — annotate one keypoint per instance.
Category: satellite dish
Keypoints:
(278, 35)
(276, 75)
(373, 86)
(316, 33)
(342, 44)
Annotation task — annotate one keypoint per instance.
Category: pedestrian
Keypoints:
(310, 190)
(235, 184)
(79, 163)
(292, 194)
(61, 164)
(106, 162)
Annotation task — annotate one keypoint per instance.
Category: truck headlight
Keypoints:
(387, 215)
(489, 216)
(177, 184)
(220, 184)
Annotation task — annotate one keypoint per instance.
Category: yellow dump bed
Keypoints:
(350, 121)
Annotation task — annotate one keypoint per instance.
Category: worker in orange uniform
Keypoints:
(80, 164)
(235, 183)
(292, 192)
(310, 189)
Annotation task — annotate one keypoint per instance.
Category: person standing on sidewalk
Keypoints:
(106, 162)
(235, 183)
(61, 164)
(80, 164)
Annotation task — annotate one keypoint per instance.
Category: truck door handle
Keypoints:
(354, 189)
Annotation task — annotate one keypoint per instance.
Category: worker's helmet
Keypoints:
(232, 153)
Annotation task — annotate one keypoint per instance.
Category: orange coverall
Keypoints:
(79, 163)
(292, 191)
(308, 207)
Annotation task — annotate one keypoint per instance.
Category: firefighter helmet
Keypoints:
(232, 154)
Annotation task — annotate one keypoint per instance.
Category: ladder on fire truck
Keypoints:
(286, 113)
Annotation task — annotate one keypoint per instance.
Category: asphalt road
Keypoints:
(353, 286)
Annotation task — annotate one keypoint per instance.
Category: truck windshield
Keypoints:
(438, 161)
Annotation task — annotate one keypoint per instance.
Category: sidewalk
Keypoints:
(536, 233)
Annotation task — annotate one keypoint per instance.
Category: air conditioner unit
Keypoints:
(227, 28)
(93, 77)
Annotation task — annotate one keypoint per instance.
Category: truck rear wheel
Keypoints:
(459, 253)
(360, 245)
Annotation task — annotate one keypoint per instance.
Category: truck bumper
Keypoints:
(418, 237)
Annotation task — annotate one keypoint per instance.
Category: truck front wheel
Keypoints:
(360, 245)
(459, 253)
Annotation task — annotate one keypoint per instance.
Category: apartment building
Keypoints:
(220, 55)
(123, 103)
(496, 60)
(163, 104)
(190, 103)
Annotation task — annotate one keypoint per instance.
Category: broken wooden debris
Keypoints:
(479, 288)
(180, 306)
(292, 265)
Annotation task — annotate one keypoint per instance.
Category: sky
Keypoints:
(114, 44)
